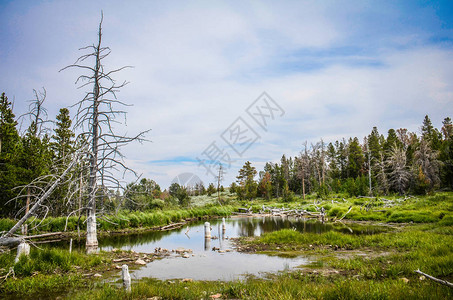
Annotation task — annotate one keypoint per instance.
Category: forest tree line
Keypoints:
(400, 163)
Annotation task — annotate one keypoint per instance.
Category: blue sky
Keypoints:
(336, 68)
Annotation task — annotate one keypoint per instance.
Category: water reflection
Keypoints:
(207, 244)
(205, 264)
(191, 235)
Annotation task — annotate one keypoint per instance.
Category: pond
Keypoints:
(204, 263)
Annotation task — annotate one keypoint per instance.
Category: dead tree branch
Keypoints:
(444, 282)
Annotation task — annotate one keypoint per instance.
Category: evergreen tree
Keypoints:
(233, 187)
(62, 146)
(211, 189)
(8, 132)
(355, 158)
(265, 186)
(247, 186)
(431, 134)
(9, 140)
(446, 154)
(427, 128)
(374, 147)
(63, 137)
(391, 142)
(342, 158)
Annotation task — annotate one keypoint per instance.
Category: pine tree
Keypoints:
(211, 189)
(355, 158)
(247, 185)
(342, 158)
(9, 140)
(8, 132)
(374, 146)
(427, 128)
(431, 134)
(391, 141)
(265, 185)
(446, 153)
(63, 137)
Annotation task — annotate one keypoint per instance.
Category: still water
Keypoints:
(205, 264)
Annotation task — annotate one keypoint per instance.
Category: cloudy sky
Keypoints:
(332, 69)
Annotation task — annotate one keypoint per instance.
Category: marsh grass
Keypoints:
(46, 270)
(385, 257)
(390, 257)
(126, 219)
(292, 285)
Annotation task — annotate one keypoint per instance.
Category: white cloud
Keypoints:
(198, 66)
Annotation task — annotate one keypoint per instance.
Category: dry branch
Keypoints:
(350, 208)
(41, 199)
(444, 282)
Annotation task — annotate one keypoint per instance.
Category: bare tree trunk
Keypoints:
(95, 116)
(369, 173)
(219, 178)
(322, 162)
(27, 209)
(92, 240)
(303, 186)
(80, 203)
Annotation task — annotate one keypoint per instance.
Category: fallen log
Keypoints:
(122, 259)
(444, 282)
(38, 236)
(48, 241)
(350, 208)
(172, 226)
(10, 242)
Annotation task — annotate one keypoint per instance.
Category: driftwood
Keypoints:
(172, 226)
(10, 242)
(38, 236)
(242, 214)
(122, 259)
(247, 210)
(41, 199)
(444, 282)
(350, 208)
(48, 241)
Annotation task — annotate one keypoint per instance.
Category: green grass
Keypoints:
(284, 286)
(46, 270)
(421, 240)
(125, 219)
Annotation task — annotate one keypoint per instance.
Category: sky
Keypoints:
(231, 81)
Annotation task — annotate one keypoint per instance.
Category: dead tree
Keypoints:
(368, 153)
(219, 179)
(96, 116)
(38, 117)
(44, 186)
(400, 175)
(303, 167)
